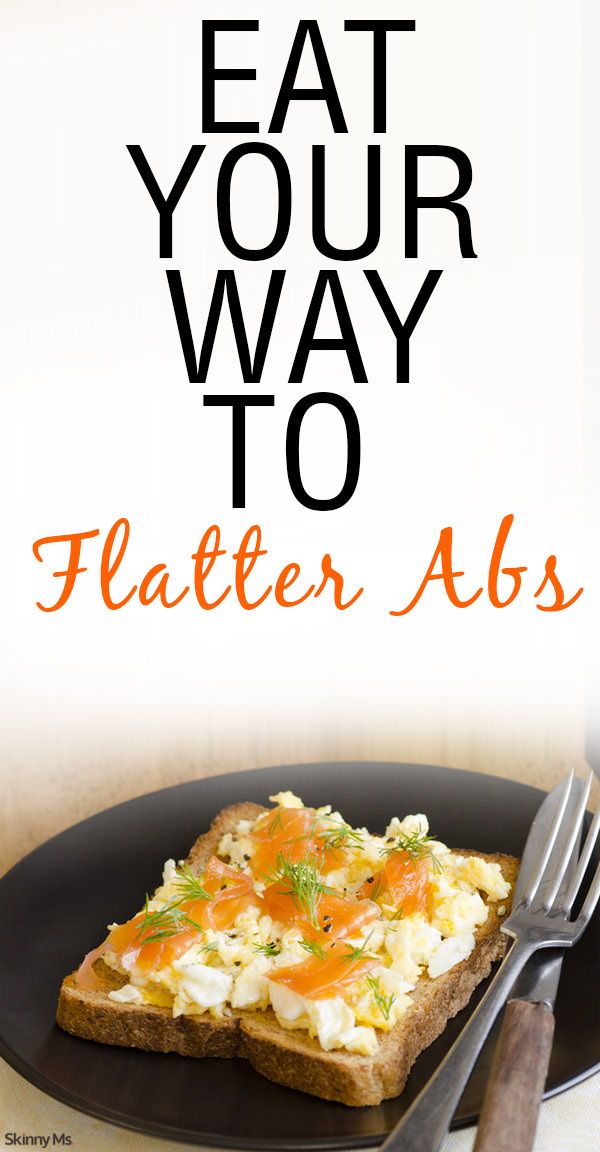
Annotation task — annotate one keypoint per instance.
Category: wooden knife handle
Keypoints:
(514, 1091)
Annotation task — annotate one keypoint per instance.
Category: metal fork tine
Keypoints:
(573, 830)
(532, 888)
(590, 901)
(584, 860)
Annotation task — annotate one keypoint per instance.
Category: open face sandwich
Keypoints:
(325, 955)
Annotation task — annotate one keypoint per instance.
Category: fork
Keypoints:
(540, 920)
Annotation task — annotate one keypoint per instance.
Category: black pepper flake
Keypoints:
(328, 927)
(246, 856)
(325, 917)
(370, 879)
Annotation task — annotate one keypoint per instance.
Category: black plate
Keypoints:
(55, 903)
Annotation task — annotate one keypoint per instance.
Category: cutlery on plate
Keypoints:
(522, 1054)
(539, 920)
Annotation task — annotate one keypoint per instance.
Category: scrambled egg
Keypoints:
(228, 970)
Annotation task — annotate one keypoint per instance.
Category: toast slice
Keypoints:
(291, 1058)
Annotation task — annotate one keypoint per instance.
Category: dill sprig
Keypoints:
(341, 835)
(416, 845)
(383, 1002)
(268, 949)
(188, 884)
(302, 882)
(313, 947)
(357, 953)
(276, 823)
(163, 923)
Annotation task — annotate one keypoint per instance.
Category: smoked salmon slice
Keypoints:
(295, 834)
(404, 882)
(335, 917)
(151, 941)
(321, 978)
(286, 832)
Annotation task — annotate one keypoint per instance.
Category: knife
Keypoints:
(520, 1065)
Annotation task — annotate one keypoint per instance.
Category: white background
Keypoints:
(99, 420)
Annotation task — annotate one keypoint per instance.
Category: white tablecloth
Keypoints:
(568, 1123)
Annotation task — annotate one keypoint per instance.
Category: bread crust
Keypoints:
(291, 1058)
